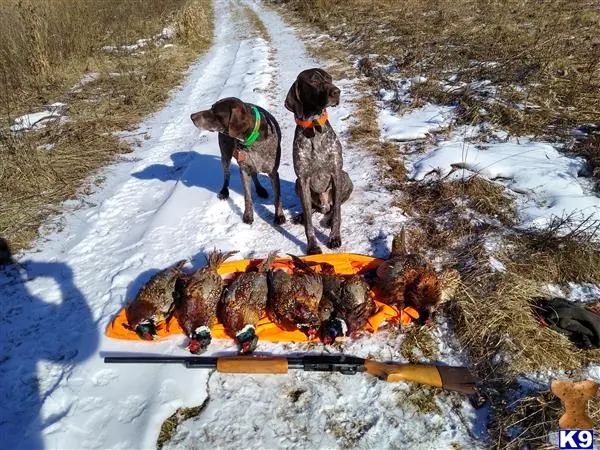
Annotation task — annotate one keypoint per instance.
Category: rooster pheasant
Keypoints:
(243, 304)
(197, 298)
(154, 302)
(410, 280)
(353, 306)
(295, 300)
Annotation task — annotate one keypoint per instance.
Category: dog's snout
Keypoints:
(194, 116)
(333, 94)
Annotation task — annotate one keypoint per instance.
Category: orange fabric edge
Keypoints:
(344, 263)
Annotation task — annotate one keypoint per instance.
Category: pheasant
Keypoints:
(295, 300)
(154, 302)
(411, 280)
(352, 308)
(243, 304)
(197, 298)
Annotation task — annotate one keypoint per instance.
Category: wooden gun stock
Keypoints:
(445, 377)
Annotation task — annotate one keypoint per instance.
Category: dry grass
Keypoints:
(44, 45)
(476, 194)
(528, 422)
(130, 85)
(494, 320)
(542, 58)
(422, 398)
(169, 426)
(257, 25)
(419, 344)
(549, 49)
(565, 256)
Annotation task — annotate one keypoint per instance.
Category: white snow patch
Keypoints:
(88, 78)
(165, 34)
(415, 124)
(584, 292)
(546, 180)
(497, 265)
(46, 147)
(38, 120)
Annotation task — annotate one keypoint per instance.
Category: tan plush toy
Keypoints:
(575, 397)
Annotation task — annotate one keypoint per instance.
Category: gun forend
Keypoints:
(252, 364)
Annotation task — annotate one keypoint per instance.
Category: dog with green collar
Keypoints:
(252, 136)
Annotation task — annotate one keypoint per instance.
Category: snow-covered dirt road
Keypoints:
(159, 205)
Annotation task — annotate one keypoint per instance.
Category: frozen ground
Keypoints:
(159, 205)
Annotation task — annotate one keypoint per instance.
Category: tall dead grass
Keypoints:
(45, 49)
(43, 44)
(542, 57)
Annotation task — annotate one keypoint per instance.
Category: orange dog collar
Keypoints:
(310, 123)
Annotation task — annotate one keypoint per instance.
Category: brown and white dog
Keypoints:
(317, 153)
(252, 136)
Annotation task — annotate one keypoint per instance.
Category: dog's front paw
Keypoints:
(279, 219)
(314, 249)
(223, 194)
(262, 192)
(334, 242)
(248, 218)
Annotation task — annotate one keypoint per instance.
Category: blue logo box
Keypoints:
(575, 439)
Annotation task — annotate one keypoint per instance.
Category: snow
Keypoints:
(546, 181)
(159, 205)
(416, 124)
(38, 120)
(46, 147)
(576, 292)
(89, 77)
(165, 34)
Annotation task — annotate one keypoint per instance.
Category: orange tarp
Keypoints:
(344, 263)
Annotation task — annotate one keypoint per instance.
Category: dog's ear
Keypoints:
(325, 75)
(238, 120)
(293, 102)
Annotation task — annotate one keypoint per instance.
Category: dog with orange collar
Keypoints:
(252, 136)
(321, 183)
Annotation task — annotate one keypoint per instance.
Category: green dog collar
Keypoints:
(255, 133)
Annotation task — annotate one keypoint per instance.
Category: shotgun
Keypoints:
(446, 377)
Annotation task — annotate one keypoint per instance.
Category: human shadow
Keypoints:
(195, 169)
(58, 329)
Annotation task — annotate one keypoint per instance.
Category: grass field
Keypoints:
(46, 50)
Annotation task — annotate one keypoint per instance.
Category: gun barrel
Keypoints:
(199, 362)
